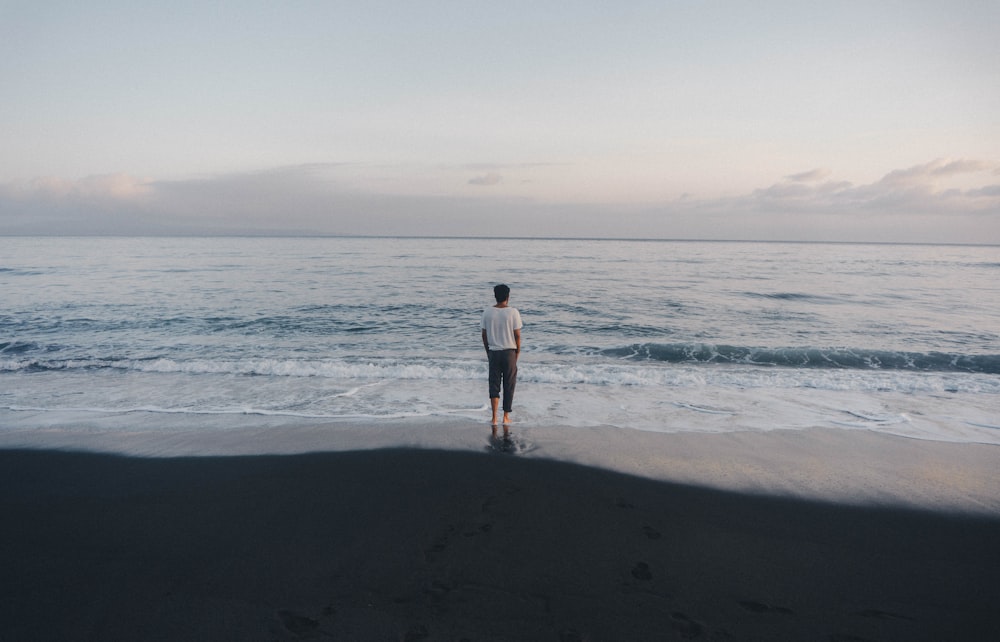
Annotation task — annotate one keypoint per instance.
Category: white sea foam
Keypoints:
(597, 373)
(227, 401)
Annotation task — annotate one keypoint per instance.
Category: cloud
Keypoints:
(105, 187)
(100, 204)
(491, 178)
(940, 201)
(932, 187)
(810, 176)
(484, 167)
(989, 191)
(937, 169)
(796, 191)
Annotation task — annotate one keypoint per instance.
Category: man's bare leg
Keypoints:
(506, 424)
(495, 403)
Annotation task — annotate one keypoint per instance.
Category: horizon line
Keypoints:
(274, 235)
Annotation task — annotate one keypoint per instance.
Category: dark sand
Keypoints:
(433, 545)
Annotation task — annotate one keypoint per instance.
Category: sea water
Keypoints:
(162, 335)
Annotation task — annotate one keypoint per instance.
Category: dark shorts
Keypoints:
(503, 373)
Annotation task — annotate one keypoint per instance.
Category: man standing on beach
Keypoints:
(501, 327)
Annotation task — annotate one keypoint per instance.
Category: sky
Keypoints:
(827, 121)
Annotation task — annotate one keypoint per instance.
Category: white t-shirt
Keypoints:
(500, 324)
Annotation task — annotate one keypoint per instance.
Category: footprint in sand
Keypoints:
(437, 547)
(297, 624)
(881, 615)
(758, 607)
(641, 572)
(417, 632)
(438, 591)
(688, 628)
(651, 532)
(482, 528)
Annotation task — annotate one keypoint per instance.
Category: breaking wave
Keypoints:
(836, 358)
(638, 366)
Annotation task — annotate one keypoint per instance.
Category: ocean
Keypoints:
(182, 335)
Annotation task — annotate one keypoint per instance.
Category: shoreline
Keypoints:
(855, 467)
(425, 544)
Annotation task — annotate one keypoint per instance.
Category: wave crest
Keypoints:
(837, 358)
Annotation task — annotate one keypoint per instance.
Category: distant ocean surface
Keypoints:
(182, 334)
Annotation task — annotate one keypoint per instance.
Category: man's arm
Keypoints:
(486, 342)
(517, 338)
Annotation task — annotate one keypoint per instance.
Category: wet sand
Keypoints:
(426, 544)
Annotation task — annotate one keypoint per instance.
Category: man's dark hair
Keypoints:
(501, 292)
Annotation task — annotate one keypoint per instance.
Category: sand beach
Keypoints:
(747, 536)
